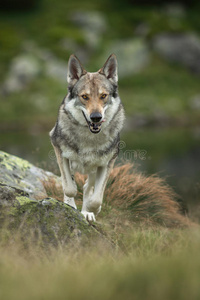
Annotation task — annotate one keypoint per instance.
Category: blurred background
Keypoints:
(157, 44)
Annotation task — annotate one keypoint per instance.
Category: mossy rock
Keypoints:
(22, 175)
(47, 220)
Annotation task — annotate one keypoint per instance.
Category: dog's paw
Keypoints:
(70, 201)
(94, 206)
(89, 216)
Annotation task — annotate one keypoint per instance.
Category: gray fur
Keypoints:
(76, 147)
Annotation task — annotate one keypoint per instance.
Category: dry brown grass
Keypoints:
(53, 189)
(147, 198)
(144, 199)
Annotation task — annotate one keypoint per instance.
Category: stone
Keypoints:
(133, 55)
(53, 221)
(92, 24)
(33, 62)
(93, 20)
(195, 103)
(56, 69)
(175, 10)
(25, 206)
(23, 176)
(179, 48)
(24, 68)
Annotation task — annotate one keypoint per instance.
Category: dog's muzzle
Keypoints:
(94, 127)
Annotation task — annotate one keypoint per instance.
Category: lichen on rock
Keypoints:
(25, 206)
(20, 174)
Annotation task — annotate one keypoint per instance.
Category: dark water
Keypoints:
(172, 153)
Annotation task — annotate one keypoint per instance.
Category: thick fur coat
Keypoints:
(86, 134)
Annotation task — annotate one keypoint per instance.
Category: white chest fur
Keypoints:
(89, 150)
(93, 151)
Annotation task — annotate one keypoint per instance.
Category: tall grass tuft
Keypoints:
(145, 199)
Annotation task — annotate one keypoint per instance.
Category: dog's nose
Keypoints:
(96, 117)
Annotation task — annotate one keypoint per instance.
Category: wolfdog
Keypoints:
(86, 135)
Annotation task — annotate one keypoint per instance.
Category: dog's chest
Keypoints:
(88, 152)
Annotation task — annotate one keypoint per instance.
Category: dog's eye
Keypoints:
(85, 97)
(103, 96)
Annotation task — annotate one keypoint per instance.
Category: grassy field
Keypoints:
(154, 264)
(146, 249)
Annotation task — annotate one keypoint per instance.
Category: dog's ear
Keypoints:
(110, 69)
(75, 70)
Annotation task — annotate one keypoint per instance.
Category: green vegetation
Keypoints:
(129, 253)
(161, 88)
(134, 260)
(128, 259)
(158, 88)
(154, 264)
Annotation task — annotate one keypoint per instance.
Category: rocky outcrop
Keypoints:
(23, 69)
(133, 55)
(33, 62)
(26, 208)
(92, 24)
(179, 48)
(22, 176)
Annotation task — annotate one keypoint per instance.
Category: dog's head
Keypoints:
(92, 92)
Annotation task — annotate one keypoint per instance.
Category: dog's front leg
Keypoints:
(68, 183)
(88, 190)
(93, 201)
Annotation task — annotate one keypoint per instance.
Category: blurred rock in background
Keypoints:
(92, 24)
(181, 48)
(133, 55)
(23, 69)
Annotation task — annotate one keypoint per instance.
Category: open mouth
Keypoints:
(94, 127)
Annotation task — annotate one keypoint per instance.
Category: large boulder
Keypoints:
(133, 55)
(24, 68)
(26, 207)
(56, 69)
(182, 48)
(92, 24)
(22, 176)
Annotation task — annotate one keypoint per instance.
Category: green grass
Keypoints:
(135, 257)
(155, 264)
